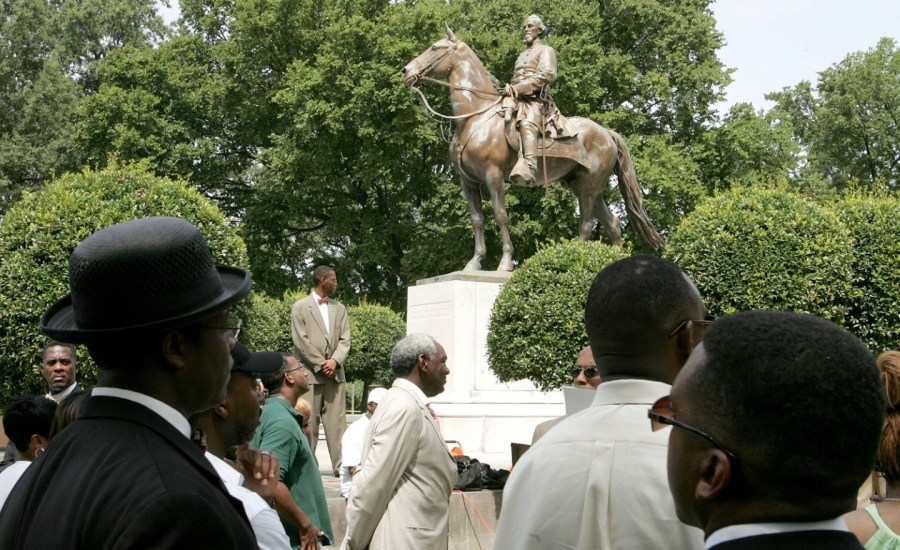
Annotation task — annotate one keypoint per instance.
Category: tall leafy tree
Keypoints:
(49, 53)
(848, 124)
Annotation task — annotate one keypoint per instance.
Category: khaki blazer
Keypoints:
(313, 344)
(401, 495)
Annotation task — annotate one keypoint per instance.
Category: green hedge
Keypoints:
(374, 330)
(752, 248)
(537, 323)
(875, 313)
(39, 232)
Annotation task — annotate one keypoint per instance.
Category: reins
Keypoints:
(427, 106)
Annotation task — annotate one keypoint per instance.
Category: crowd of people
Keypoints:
(754, 430)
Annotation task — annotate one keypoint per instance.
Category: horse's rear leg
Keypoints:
(609, 221)
(472, 193)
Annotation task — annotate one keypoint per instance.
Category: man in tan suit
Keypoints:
(321, 333)
(400, 496)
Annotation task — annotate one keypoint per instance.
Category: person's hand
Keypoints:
(309, 536)
(329, 368)
(259, 468)
(511, 91)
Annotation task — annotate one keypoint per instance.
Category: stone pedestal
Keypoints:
(482, 413)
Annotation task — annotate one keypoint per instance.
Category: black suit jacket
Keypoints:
(122, 477)
(818, 540)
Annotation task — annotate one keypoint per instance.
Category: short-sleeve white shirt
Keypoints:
(264, 520)
(351, 451)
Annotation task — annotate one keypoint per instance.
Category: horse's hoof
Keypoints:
(505, 266)
(473, 265)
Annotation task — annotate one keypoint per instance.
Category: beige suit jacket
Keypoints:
(400, 497)
(313, 344)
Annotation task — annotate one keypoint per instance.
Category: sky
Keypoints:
(776, 43)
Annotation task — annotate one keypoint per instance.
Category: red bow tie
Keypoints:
(323, 300)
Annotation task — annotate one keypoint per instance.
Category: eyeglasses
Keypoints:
(690, 324)
(233, 328)
(661, 414)
(589, 371)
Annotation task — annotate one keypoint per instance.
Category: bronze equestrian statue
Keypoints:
(485, 147)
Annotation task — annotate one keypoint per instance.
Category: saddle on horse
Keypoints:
(556, 136)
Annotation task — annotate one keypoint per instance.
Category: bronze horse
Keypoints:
(482, 155)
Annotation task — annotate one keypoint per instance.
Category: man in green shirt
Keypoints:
(279, 433)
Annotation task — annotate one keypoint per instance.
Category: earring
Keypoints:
(38, 452)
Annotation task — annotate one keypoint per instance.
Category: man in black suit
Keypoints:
(59, 366)
(153, 309)
(774, 423)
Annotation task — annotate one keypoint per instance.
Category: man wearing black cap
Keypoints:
(233, 423)
(153, 309)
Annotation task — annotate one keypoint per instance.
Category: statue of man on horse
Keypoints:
(486, 149)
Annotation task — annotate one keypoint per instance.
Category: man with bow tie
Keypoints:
(321, 333)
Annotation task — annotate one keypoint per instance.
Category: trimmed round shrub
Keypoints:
(267, 322)
(875, 313)
(39, 232)
(537, 323)
(374, 330)
(752, 248)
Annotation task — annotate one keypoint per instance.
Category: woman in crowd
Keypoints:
(27, 424)
(876, 526)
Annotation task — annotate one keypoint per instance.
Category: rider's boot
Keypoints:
(524, 170)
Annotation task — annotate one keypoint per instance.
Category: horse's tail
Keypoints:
(631, 192)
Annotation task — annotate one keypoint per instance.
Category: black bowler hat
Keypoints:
(146, 274)
(255, 362)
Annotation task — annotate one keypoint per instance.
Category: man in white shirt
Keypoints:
(597, 480)
(320, 331)
(774, 424)
(352, 442)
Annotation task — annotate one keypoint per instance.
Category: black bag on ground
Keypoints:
(475, 476)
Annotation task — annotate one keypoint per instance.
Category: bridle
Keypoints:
(429, 67)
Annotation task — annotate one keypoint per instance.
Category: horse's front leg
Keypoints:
(472, 194)
(498, 198)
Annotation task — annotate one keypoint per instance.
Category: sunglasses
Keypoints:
(691, 324)
(589, 372)
(661, 415)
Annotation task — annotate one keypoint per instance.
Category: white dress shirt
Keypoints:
(168, 413)
(58, 397)
(596, 481)
(733, 532)
(267, 527)
(323, 309)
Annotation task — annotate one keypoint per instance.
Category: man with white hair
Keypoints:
(401, 494)
(352, 442)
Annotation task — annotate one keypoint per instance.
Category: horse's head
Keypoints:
(436, 61)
